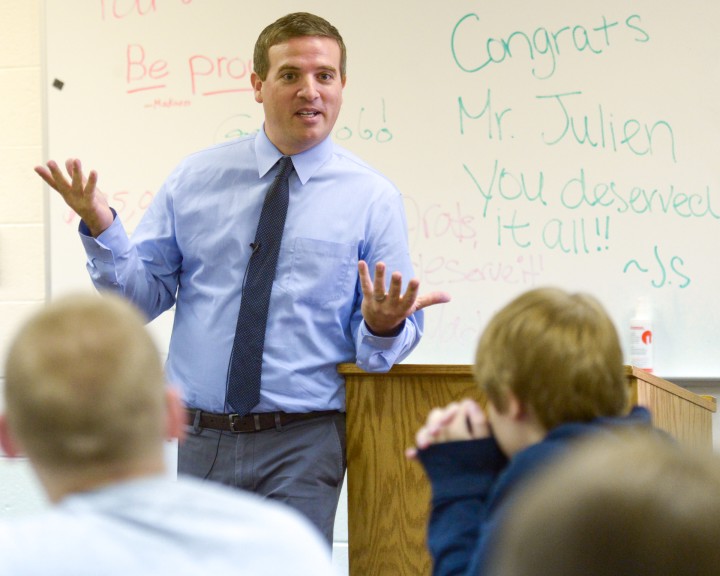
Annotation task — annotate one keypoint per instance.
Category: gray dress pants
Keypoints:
(301, 464)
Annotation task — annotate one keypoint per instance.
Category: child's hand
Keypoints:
(457, 421)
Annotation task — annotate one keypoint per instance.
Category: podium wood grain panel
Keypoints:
(684, 414)
(388, 496)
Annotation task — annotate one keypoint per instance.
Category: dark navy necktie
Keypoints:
(246, 359)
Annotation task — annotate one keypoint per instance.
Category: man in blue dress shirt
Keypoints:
(192, 250)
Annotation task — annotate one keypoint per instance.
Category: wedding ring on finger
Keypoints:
(380, 298)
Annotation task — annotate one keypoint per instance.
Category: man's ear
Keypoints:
(176, 417)
(7, 442)
(256, 82)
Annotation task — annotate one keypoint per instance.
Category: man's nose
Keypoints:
(308, 89)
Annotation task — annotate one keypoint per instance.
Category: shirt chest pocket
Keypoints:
(321, 273)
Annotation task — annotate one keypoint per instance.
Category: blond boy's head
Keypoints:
(85, 386)
(558, 354)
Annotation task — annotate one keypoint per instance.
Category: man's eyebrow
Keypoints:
(291, 68)
(288, 67)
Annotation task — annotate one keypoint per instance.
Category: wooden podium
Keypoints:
(685, 415)
(388, 496)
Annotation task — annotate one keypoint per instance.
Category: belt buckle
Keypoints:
(233, 418)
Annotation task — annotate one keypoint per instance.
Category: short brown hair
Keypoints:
(557, 352)
(85, 384)
(295, 25)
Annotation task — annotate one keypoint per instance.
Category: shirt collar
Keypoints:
(306, 163)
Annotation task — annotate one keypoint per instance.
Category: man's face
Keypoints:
(302, 93)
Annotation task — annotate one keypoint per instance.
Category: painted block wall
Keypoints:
(22, 241)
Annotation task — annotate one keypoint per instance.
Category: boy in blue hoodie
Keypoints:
(551, 367)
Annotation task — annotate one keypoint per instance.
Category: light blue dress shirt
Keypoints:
(192, 247)
(155, 526)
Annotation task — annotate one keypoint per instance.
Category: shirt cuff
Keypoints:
(395, 333)
(108, 245)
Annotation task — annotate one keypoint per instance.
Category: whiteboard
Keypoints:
(535, 143)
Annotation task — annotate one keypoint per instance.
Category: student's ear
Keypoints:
(7, 442)
(516, 408)
(175, 414)
(523, 413)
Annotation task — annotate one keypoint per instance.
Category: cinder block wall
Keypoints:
(22, 228)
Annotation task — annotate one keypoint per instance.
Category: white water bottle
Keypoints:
(641, 336)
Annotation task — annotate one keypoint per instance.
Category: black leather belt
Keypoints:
(250, 422)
